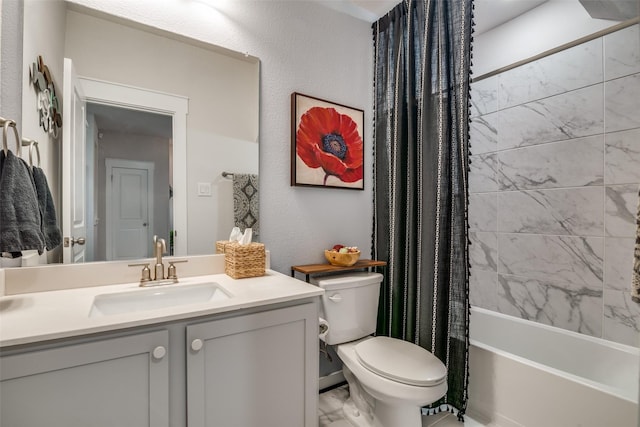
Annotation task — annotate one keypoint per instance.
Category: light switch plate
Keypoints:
(204, 189)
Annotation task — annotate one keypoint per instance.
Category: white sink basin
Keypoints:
(156, 297)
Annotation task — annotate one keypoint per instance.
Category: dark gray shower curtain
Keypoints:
(422, 72)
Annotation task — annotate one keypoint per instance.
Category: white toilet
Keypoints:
(389, 379)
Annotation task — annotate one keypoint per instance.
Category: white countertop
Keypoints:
(41, 316)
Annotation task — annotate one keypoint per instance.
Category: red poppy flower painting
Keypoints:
(328, 147)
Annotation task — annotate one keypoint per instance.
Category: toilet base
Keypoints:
(383, 416)
(362, 410)
(354, 416)
(397, 415)
(358, 408)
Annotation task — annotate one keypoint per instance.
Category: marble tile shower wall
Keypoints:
(554, 185)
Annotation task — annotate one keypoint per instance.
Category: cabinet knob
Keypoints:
(196, 345)
(159, 352)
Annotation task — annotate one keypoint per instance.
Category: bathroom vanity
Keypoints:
(246, 357)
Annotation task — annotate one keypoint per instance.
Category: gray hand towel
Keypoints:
(246, 202)
(20, 219)
(50, 229)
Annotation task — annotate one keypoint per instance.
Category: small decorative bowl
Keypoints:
(342, 260)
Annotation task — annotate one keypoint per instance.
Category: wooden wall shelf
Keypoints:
(310, 269)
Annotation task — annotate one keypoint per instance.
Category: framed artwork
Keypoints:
(327, 145)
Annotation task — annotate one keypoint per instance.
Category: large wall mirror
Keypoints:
(137, 168)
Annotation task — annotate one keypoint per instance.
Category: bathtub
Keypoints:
(524, 373)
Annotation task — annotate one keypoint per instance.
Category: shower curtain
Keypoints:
(421, 84)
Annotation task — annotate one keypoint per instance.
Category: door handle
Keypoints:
(71, 241)
(79, 241)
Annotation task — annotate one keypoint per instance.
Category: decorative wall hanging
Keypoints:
(47, 104)
(326, 144)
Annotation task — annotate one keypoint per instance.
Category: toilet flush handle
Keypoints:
(336, 297)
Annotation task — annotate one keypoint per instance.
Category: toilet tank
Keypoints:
(349, 305)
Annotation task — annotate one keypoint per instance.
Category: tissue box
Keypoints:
(242, 261)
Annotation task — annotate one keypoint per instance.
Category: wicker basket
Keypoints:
(220, 244)
(242, 261)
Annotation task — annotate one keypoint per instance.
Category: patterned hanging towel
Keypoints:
(635, 285)
(245, 202)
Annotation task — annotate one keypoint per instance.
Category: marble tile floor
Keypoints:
(330, 410)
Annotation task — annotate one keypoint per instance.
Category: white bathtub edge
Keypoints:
(512, 394)
(618, 346)
(588, 383)
(628, 395)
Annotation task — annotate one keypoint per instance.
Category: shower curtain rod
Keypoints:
(560, 48)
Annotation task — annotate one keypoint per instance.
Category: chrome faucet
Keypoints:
(159, 248)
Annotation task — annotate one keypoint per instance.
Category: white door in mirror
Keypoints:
(74, 219)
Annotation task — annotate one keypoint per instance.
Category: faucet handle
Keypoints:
(171, 271)
(146, 272)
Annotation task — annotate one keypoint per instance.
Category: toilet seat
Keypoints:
(401, 361)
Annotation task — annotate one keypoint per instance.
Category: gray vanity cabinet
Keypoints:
(249, 368)
(257, 370)
(120, 381)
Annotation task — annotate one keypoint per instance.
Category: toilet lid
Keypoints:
(401, 361)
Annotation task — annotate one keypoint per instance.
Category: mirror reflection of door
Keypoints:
(74, 216)
(129, 209)
(128, 181)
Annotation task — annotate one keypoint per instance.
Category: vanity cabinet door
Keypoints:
(112, 382)
(256, 370)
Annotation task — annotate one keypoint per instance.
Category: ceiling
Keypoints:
(488, 14)
(116, 119)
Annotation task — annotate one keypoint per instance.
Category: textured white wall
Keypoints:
(303, 47)
(11, 63)
(43, 36)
